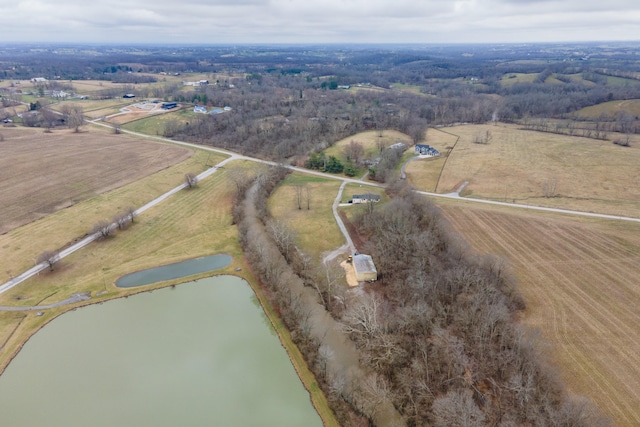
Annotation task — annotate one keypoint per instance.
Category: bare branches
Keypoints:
(103, 228)
(190, 179)
(50, 258)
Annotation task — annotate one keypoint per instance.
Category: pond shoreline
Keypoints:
(316, 396)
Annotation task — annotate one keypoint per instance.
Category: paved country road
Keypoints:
(235, 156)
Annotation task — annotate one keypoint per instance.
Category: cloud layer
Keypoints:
(330, 21)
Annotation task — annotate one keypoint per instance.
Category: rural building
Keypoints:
(364, 268)
(365, 198)
(398, 146)
(216, 111)
(169, 105)
(200, 109)
(128, 95)
(426, 150)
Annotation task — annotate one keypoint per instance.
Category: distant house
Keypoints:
(364, 268)
(365, 198)
(169, 105)
(128, 95)
(38, 80)
(200, 109)
(198, 83)
(426, 150)
(227, 108)
(216, 111)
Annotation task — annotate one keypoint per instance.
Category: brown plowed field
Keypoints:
(41, 173)
(581, 281)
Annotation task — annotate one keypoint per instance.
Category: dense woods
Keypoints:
(436, 337)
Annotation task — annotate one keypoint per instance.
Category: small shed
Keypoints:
(365, 198)
(364, 268)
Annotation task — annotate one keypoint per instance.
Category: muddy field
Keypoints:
(41, 173)
(580, 281)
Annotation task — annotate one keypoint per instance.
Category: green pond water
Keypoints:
(200, 354)
(174, 271)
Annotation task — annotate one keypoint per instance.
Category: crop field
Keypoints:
(631, 106)
(542, 169)
(579, 278)
(44, 172)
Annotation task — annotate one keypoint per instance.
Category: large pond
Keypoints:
(199, 354)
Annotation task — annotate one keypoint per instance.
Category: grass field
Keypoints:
(594, 112)
(154, 124)
(370, 141)
(315, 229)
(579, 278)
(41, 173)
(519, 166)
(424, 173)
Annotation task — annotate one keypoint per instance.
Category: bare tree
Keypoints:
(190, 179)
(73, 114)
(307, 196)
(122, 220)
(131, 213)
(550, 188)
(457, 408)
(299, 191)
(353, 152)
(103, 228)
(50, 258)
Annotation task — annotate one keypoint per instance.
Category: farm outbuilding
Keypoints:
(365, 198)
(364, 268)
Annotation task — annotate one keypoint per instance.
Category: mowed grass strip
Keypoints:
(21, 246)
(315, 229)
(517, 165)
(579, 279)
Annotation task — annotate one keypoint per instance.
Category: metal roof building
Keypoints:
(365, 268)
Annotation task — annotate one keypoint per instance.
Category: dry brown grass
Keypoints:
(369, 141)
(579, 278)
(21, 245)
(515, 165)
(424, 173)
(315, 229)
(41, 173)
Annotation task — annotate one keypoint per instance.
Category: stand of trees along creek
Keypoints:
(436, 337)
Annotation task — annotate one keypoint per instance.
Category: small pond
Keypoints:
(174, 271)
(200, 354)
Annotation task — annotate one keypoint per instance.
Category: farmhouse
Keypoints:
(365, 198)
(426, 150)
(364, 268)
(200, 109)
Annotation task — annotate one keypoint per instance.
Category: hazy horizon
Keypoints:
(332, 22)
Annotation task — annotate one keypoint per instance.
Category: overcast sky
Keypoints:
(318, 21)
